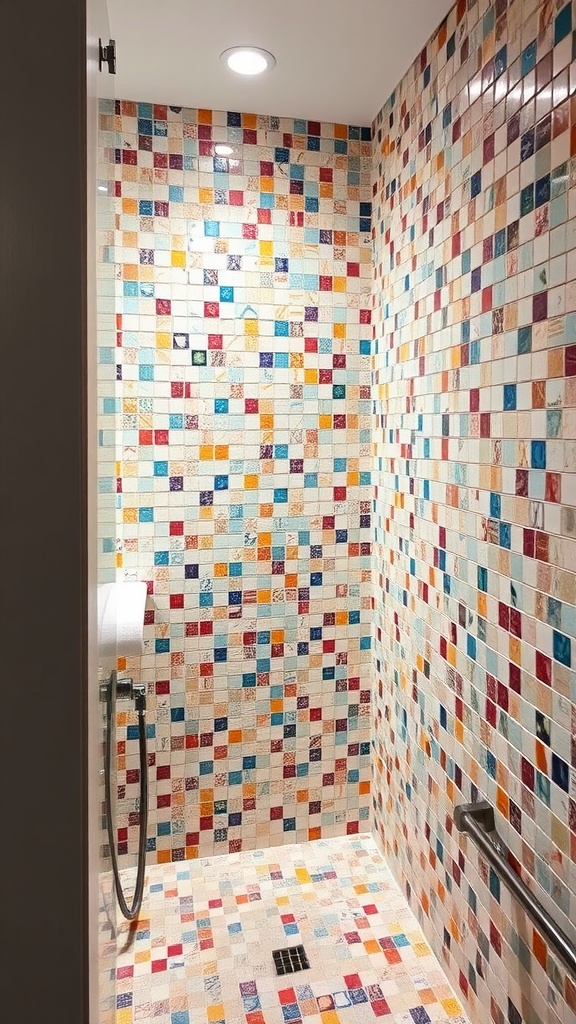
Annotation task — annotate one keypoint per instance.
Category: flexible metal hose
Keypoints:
(129, 912)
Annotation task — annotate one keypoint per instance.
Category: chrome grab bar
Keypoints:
(478, 821)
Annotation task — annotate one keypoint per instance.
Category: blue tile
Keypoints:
(505, 535)
(560, 773)
(528, 58)
(562, 648)
(538, 454)
(562, 24)
(524, 340)
(509, 397)
(500, 61)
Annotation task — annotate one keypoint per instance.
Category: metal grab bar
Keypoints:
(478, 821)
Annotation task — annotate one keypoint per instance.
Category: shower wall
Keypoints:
(475, 487)
(243, 407)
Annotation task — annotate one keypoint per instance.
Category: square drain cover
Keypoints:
(290, 960)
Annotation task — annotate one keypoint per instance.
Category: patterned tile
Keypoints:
(242, 405)
(273, 422)
(474, 328)
(197, 952)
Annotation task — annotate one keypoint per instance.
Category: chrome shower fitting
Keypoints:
(126, 689)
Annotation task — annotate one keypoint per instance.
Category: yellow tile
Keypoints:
(330, 1017)
(178, 258)
(421, 949)
(452, 1007)
(215, 1012)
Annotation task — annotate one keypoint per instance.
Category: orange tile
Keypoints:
(502, 802)
(371, 946)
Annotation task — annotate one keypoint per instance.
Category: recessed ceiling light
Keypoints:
(222, 150)
(248, 60)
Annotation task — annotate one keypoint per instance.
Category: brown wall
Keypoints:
(43, 508)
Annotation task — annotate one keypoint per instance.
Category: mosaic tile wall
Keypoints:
(244, 411)
(475, 488)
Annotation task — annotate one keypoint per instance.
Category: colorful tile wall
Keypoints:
(243, 404)
(475, 490)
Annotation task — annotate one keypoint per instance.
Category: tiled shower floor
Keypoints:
(202, 949)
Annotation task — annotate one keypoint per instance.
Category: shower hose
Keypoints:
(130, 913)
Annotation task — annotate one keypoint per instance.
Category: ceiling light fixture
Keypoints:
(248, 60)
(222, 150)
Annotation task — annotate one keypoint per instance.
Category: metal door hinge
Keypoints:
(107, 55)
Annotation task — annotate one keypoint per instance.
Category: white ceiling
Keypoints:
(337, 60)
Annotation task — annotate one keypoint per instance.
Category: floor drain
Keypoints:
(290, 960)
